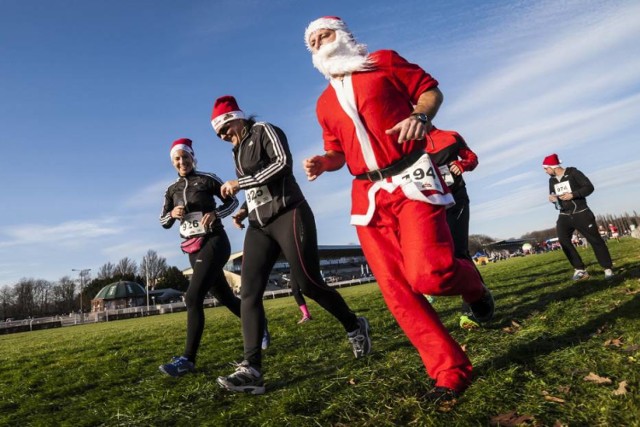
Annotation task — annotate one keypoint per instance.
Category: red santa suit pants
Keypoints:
(410, 251)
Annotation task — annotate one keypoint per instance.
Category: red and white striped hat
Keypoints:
(225, 109)
(326, 22)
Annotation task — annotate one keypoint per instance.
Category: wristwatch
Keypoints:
(421, 117)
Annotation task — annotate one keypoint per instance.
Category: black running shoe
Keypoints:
(443, 398)
(360, 339)
(442, 394)
(482, 310)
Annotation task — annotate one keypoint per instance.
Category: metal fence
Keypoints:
(140, 311)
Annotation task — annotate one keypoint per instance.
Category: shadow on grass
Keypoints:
(526, 353)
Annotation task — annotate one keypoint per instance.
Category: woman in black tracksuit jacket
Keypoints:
(190, 199)
(280, 219)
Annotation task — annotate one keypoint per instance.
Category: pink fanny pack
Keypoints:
(192, 245)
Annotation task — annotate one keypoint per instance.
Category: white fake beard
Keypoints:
(341, 56)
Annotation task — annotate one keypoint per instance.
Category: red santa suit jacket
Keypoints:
(354, 114)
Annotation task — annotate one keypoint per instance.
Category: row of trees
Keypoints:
(41, 298)
(38, 298)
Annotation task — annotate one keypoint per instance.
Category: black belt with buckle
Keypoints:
(394, 169)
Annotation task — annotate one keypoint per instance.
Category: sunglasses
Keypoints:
(223, 132)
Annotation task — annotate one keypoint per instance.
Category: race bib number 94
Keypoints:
(191, 225)
(257, 196)
(421, 173)
(562, 188)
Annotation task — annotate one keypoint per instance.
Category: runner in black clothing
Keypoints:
(191, 200)
(453, 156)
(450, 152)
(568, 190)
(279, 220)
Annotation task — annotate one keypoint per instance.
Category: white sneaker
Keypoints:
(608, 274)
(580, 275)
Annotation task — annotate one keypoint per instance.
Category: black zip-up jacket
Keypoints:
(196, 193)
(264, 169)
(581, 187)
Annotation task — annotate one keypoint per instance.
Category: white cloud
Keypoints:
(65, 232)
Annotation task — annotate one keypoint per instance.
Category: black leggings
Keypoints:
(585, 223)
(207, 266)
(293, 233)
(297, 293)
(458, 221)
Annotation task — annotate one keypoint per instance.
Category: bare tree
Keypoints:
(42, 297)
(477, 242)
(126, 267)
(6, 302)
(64, 293)
(23, 294)
(153, 267)
(107, 271)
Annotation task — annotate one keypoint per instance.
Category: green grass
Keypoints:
(107, 373)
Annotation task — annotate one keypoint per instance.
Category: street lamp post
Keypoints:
(82, 273)
(146, 273)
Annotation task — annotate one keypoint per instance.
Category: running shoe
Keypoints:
(443, 398)
(304, 319)
(178, 367)
(442, 394)
(580, 275)
(245, 379)
(360, 339)
(482, 310)
(608, 274)
(468, 323)
(266, 336)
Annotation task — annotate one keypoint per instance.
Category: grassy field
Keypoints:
(558, 353)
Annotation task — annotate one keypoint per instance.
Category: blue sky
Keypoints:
(92, 93)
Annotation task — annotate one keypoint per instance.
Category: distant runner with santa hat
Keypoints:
(568, 190)
(280, 220)
(374, 116)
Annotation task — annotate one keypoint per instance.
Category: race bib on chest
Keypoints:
(446, 174)
(562, 188)
(191, 225)
(257, 196)
(421, 173)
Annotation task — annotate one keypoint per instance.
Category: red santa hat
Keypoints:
(324, 23)
(183, 144)
(551, 161)
(225, 109)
